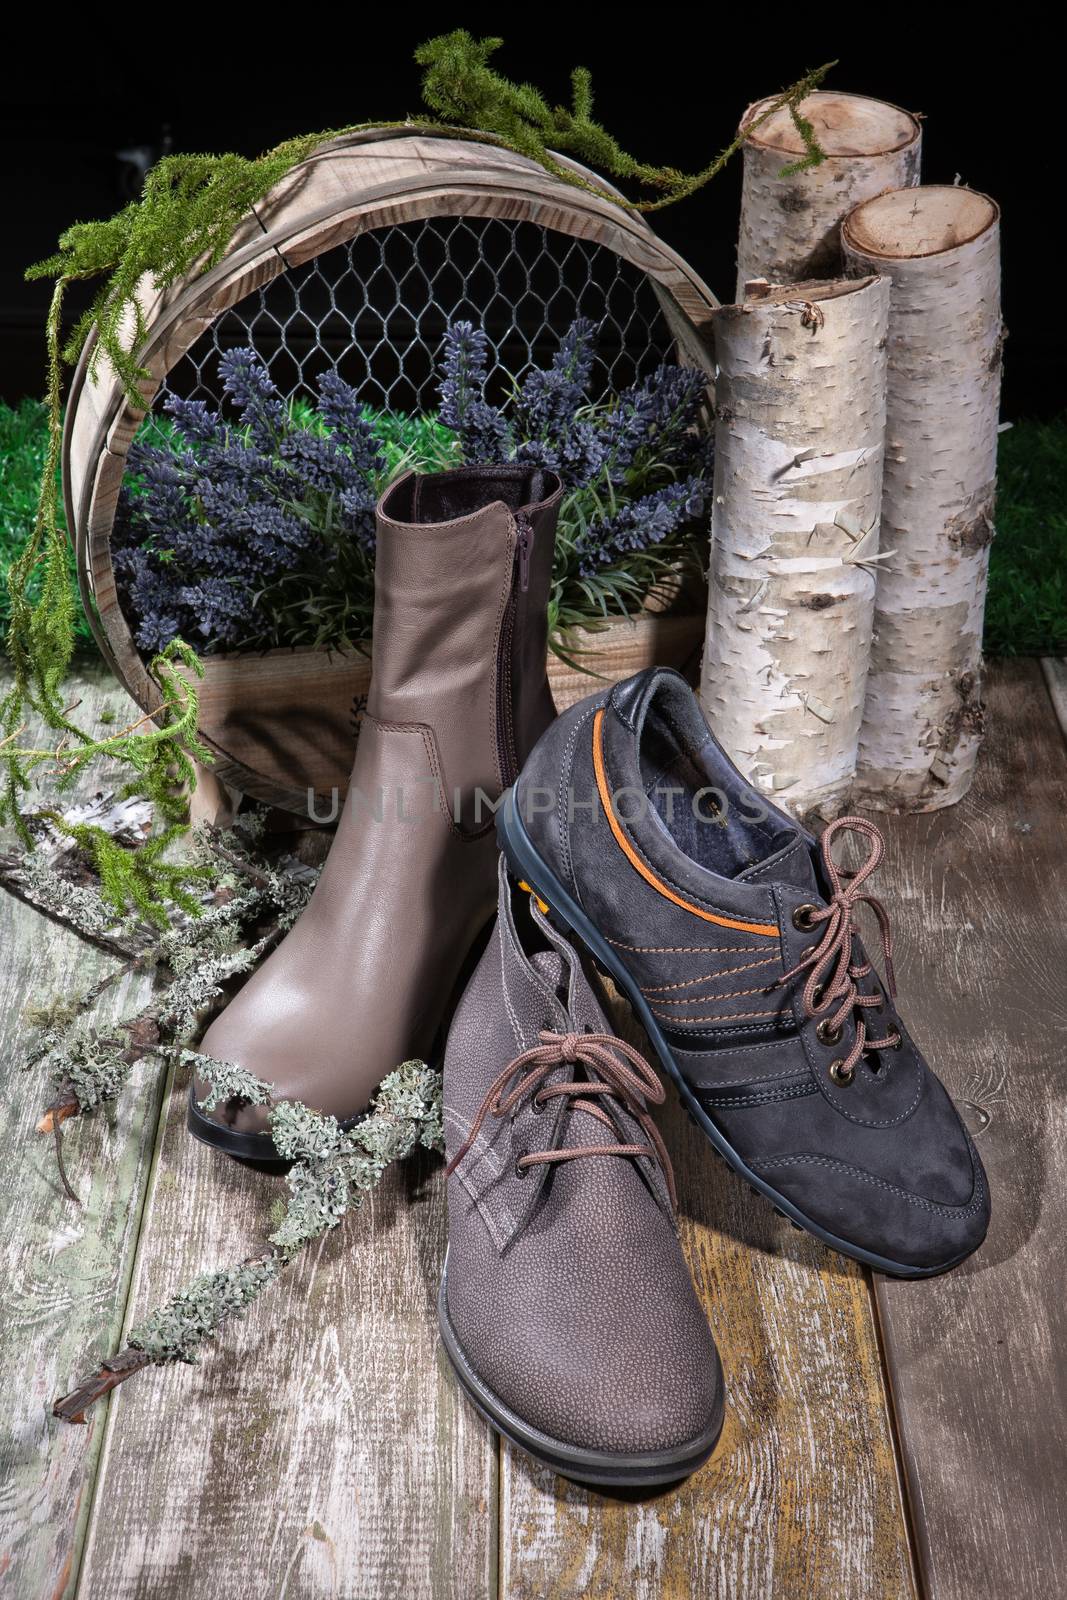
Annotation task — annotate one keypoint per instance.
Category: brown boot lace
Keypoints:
(830, 991)
(629, 1080)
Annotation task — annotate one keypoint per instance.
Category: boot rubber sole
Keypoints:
(525, 862)
(251, 1149)
(598, 1467)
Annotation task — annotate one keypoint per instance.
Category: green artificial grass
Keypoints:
(1026, 613)
(23, 442)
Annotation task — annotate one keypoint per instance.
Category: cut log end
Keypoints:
(909, 223)
(848, 125)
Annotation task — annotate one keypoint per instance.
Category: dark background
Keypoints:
(670, 95)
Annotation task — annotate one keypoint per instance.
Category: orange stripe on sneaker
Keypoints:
(635, 860)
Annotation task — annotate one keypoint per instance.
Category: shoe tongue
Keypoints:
(792, 864)
(580, 1126)
(549, 964)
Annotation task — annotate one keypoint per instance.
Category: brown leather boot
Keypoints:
(459, 695)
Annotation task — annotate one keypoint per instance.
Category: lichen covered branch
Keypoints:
(333, 1168)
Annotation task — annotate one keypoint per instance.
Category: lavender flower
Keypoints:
(248, 384)
(342, 411)
(261, 531)
(220, 607)
(195, 420)
(484, 432)
(549, 402)
(218, 516)
(640, 524)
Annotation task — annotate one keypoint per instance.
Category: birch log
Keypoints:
(800, 424)
(922, 726)
(790, 227)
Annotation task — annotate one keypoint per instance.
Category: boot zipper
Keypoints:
(505, 711)
(525, 540)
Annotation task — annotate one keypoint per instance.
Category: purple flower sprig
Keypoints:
(214, 521)
(640, 524)
(484, 432)
(637, 465)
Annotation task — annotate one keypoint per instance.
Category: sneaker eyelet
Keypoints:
(826, 1033)
(803, 918)
(842, 1073)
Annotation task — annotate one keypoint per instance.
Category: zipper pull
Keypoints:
(526, 536)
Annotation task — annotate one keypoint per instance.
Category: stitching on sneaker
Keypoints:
(766, 865)
(718, 1017)
(709, 977)
(881, 1183)
(686, 949)
(697, 999)
(795, 1091)
(742, 1083)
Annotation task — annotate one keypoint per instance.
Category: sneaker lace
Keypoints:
(617, 1071)
(830, 991)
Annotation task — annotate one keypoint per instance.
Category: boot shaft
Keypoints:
(462, 578)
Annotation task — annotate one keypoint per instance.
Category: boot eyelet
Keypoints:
(520, 1170)
(841, 1073)
(538, 1106)
(826, 1033)
(803, 918)
(898, 1043)
(817, 995)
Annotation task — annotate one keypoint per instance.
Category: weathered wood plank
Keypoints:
(65, 1269)
(320, 1448)
(976, 1358)
(801, 1499)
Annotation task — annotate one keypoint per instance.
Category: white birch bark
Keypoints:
(790, 227)
(800, 425)
(922, 726)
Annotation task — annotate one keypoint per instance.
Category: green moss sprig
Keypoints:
(460, 84)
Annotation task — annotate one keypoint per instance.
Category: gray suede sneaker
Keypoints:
(566, 1306)
(733, 934)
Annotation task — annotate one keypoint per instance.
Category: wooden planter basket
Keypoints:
(285, 721)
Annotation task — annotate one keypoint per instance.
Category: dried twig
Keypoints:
(108, 1376)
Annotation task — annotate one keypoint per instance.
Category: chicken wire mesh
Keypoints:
(376, 310)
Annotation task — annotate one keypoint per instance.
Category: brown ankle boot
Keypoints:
(566, 1306)
(459, 695)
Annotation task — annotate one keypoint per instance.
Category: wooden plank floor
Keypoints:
(977, 1358)
(65, 1269)
(321, 1448)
